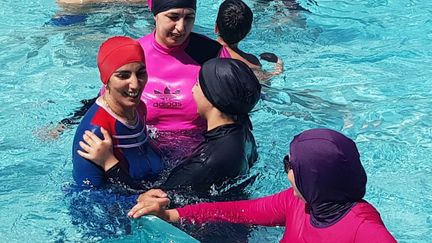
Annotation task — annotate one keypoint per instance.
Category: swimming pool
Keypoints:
(360, 67)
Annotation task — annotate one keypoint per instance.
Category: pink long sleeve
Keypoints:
(362, 224)
(372, 230)
(267, 211)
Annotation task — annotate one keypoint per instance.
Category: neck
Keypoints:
(128, 114)
(216, 119)
(223, 43)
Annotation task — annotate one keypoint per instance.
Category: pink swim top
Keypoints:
(172, 73)
(362, 224)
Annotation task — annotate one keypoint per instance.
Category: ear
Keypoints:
(216, 29)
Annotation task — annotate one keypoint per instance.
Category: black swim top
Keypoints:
(227, 152)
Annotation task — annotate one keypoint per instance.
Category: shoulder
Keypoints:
(202, 48)
(366, 212)
(372, 232)
(251, 60)
(227, 146)
(145, 40)
(372, 228)
(89, 118)
(97, 116)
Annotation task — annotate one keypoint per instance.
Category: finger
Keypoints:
(145, 211)
(150, 206)
(85, 146)
(157, 193)
(84, 155)
(88, 139)
(93, 136)
(106, 135)
(162, 202)
(135, 208)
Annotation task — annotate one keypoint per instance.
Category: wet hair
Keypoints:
(234, 21)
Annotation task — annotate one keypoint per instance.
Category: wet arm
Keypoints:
(266, 211)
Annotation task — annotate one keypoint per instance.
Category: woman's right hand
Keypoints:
(97, 150)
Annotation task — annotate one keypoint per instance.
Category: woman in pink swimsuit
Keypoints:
(174, 55)
(324, 204)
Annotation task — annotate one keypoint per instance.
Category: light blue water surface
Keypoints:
(362, 67)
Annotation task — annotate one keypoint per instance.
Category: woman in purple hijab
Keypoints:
(324, 204)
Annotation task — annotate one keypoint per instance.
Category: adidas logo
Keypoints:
(167, 91)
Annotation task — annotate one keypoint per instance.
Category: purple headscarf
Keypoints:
(328, 173)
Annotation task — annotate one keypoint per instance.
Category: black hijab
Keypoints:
(230, 85)
(157, 6)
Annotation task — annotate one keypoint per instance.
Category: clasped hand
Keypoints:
(152, 202)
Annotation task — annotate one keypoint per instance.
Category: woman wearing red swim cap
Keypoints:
(119, 113)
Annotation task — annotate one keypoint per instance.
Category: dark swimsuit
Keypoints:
(227, 152)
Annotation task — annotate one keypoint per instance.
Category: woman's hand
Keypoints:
(97, 150)
(154, 202)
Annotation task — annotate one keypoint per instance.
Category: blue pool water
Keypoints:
(362, 67)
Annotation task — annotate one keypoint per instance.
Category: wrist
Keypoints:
(110, 162)
(171, 215)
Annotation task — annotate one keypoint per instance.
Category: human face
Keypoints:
(174, 26)
(126, 85)
(291, 178)
(203, 105)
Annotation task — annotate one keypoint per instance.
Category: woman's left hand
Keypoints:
(100, 151)
(154, 202)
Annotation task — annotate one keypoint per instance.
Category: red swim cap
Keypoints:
(116, 52)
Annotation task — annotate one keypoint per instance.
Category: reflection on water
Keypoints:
(359, 67)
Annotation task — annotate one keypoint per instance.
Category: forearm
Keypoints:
(267, 211)
(171, 215)
(279, 68)
(117, 175)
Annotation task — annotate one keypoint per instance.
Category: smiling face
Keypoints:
(126, 85)
(174, 26)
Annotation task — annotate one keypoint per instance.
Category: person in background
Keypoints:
(324, 204)
(233, 23)
(77, 11)
(121, 113)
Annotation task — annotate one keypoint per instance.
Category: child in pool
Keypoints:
(233, 23)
